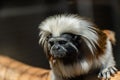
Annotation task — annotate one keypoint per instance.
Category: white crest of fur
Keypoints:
(57, 25)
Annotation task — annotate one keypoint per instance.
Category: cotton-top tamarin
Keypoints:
(75, 47)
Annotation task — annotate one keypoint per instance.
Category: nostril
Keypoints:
(57, 47)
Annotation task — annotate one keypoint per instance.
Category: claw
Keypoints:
(105, 74)
(115, 69)
(108, 74)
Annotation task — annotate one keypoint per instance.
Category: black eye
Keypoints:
(51, 43)
(49, 36)
(62, 42)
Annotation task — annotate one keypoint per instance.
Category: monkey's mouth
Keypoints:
(58, 54)
(65, 58)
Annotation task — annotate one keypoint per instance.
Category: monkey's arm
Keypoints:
(14, 70)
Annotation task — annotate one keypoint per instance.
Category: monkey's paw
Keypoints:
(106, 73)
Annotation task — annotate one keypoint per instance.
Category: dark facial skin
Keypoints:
(64, 47)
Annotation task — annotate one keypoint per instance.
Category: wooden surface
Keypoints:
(14, 70)
(116, 77)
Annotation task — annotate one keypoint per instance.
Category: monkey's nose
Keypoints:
(56, 47)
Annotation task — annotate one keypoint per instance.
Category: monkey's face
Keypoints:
(63, 46)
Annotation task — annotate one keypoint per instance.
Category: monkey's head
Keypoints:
(69, 38)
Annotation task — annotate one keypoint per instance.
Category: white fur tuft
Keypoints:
(57, 25)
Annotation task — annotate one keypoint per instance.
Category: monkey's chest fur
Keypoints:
(73, 70)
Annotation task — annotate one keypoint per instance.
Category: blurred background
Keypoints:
(19, 20)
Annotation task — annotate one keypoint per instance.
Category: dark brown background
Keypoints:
(19, 20)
